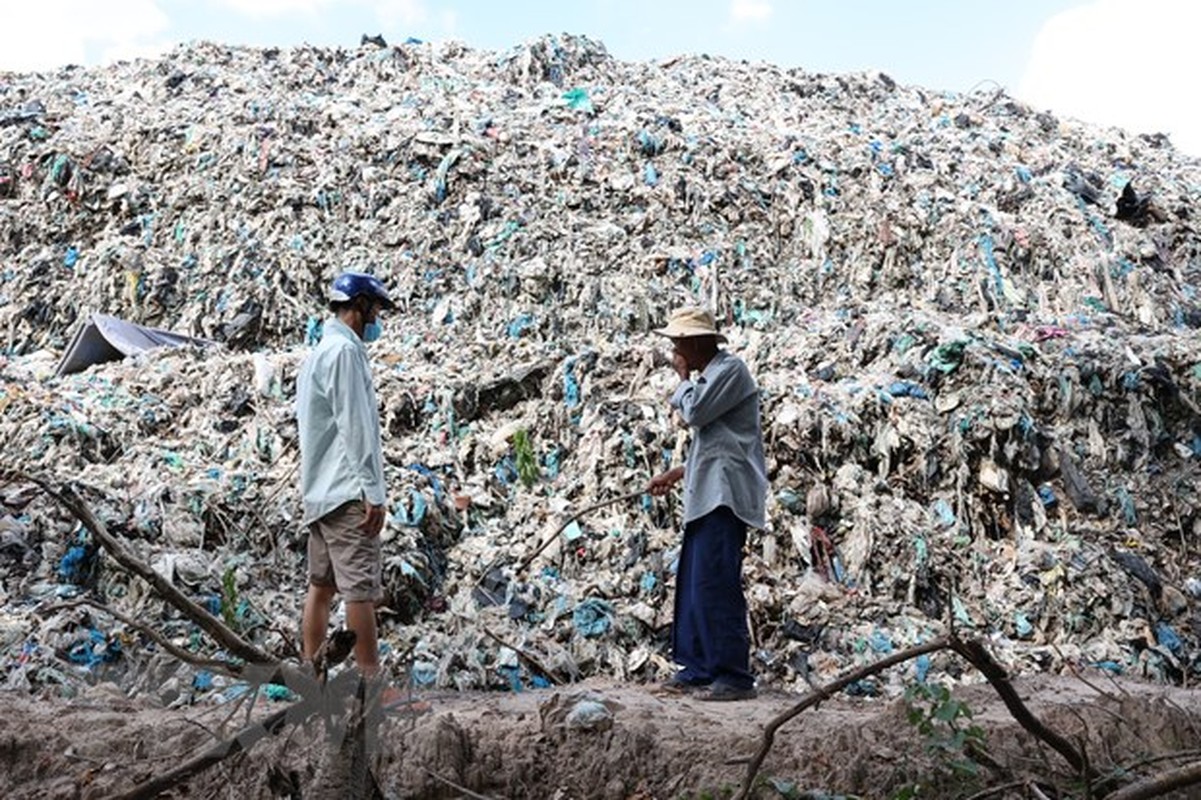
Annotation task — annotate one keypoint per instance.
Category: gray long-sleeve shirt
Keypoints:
(725, 465)
(341, 458)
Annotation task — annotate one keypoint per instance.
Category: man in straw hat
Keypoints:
(725, 484)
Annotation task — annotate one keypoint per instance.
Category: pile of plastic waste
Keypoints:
(973, 325)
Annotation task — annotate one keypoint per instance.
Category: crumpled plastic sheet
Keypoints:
(973, 324)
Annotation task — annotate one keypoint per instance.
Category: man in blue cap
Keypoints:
(725, 489)
(342, 468)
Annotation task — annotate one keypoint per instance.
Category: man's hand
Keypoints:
(680, 365)
(661, 484)
(374, 522)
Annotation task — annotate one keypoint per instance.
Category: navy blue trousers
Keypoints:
(709, 632)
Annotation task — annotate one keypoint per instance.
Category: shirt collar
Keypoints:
(339, 328)
(713, 362)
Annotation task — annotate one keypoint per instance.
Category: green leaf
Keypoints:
(946, 712)
(229, 598)
(527, 462)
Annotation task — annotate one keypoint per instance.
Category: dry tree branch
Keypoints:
(260, 667)
(1161, 784)
(1080, 676)
(235, 644)
(524, 656)
(224, 667)
(463, 790)
(974, 652)
(999, 789)
(1145, 762)
(978, 656)
(824, 693)
(245, 739)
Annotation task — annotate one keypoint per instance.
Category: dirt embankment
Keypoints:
(517, 745)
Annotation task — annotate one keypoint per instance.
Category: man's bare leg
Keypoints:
(360, 618)
(316, 618)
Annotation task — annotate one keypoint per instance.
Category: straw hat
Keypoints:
(686, 322)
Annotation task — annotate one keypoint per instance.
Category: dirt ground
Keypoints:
(517, 745)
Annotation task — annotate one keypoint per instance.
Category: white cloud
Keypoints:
(749, 10)
(1120, 63)
(116, 28)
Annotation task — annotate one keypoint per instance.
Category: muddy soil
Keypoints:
(518, 745)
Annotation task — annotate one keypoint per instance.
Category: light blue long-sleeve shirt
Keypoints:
(725, 464)
(341, 458)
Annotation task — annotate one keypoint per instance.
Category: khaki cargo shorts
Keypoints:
(341, 555)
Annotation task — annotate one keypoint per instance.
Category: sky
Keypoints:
(1112, 62)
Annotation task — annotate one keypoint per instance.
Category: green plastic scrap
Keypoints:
(744, 315)
(61, 162)
(960, 611)
(276, 691)
(1129, 513)
(578, 100)
(509, 229)
(264, 444)
(789, 499)
(946, 358)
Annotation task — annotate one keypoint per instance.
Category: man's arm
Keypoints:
(701, 403)
(356, 422)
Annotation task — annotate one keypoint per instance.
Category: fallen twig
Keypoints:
(1080, 676)
(223, 667)
(1038, 793)
(245, 739)
(524, 656)
(824, 693)
(455, 786)
(525, 562)
(979, 657)
(1161, 784)
(261, 667)
(1000, 789)
(974, 652)
(1121, 771)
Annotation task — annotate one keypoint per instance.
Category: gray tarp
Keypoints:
(104, 338)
